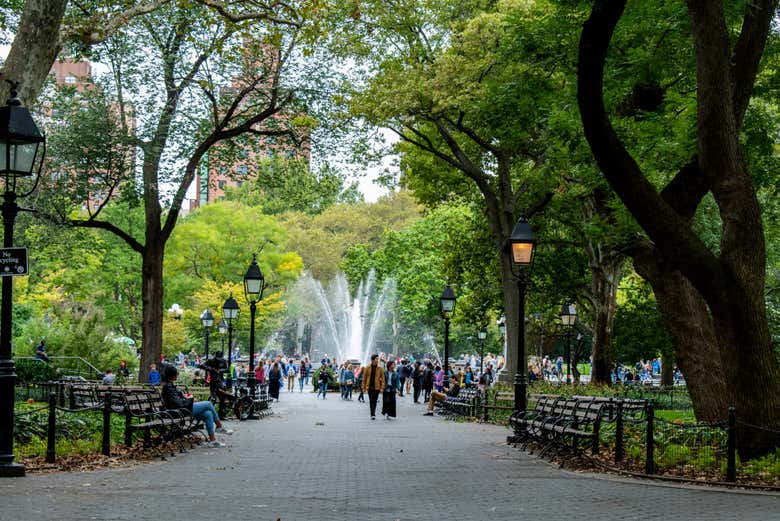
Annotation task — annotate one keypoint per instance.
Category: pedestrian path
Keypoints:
(326, 460)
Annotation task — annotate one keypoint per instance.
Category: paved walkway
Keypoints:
(415, 468)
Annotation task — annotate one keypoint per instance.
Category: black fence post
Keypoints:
(619, 449)
(61, 393)
(50, 437)
(650, 440)
(731, 448)
(107, 424)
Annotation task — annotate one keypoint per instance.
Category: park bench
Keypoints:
(144, 411)
(630, 407)
(464, 404)
(508, 399)
(562, 422)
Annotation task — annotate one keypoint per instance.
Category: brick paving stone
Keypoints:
(414, 468)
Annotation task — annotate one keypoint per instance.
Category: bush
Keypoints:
(34, 371)
(333, 383)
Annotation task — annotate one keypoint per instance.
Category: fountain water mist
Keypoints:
(348, 326)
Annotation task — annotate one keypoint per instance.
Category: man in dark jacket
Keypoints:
(174, 399)
(417, 381)
(404, 372)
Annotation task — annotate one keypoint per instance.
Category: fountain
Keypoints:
(347, 326)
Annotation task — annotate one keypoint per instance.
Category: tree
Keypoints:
(444, 87)
(285, 185)
(195, 53)
(708, 297)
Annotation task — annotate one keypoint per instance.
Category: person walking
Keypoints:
(349, 382)
(342, 386)
(392, 386)
(403, 374)
(417, 381)
(359, 383)
(291, 372)
(323, 382)
(373, 383)
(274, 381)
(303, 374)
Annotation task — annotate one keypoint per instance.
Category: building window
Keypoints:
(221, 184)
(243, 153)
(241, 169)
(222, 170)
(70, 79)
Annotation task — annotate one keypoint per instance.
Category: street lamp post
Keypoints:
(254, 284)
(207, 319)
(501, 323)
(19, 142)
(447, 307)
(522, 244)
(482, 335)
(568, 316)
(222, 327)
(230, 313)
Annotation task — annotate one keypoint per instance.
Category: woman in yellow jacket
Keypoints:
(373, 383)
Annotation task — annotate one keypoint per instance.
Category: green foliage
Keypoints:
(34, 371)
(673, 455)
(288, 185)
(333, 383)
(639, 332)
(75, 433)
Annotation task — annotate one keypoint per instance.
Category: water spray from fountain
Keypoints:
(348, 326)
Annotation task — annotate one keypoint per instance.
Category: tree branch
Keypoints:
(663, 225)
(104, 225)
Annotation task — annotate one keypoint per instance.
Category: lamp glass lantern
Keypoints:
(568, 314)
(447, 300)
(230, 309)
(20, 140)
(482, 334)
(501, 323)
(206, 318)
(254, 281)
(522, 243)
(222, 327)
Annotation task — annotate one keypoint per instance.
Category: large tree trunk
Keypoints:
(606, 267)
(35, 47)
(731, 281)
(511, 311)
(152, 290)
(688, 322)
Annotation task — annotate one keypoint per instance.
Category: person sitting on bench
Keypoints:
(173, 398)
(451, 392)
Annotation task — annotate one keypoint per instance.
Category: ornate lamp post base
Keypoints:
(12, 470)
